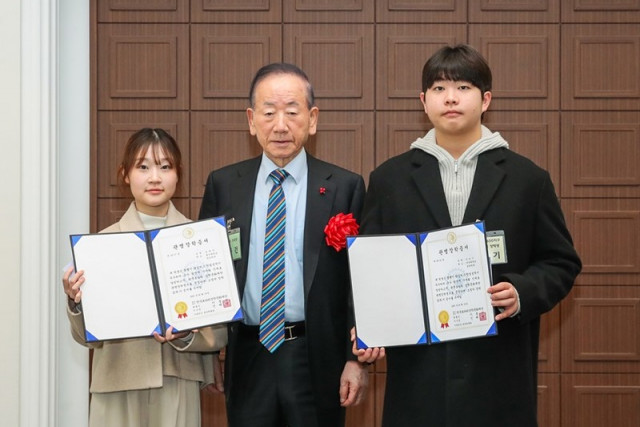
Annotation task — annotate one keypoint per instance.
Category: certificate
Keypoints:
(137, 283)
(421, 288)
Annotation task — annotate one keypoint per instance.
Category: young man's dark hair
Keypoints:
(457, 63)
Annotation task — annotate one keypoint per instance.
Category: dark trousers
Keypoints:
(270, 389)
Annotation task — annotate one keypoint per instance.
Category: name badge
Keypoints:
(234, 240)
(496, 247)
(234, 243)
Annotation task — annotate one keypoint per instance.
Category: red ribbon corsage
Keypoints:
(339, 227)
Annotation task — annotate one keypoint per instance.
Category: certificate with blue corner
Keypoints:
(421, 288)
(137, 283)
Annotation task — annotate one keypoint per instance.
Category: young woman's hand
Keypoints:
(71, 284)
(170, 336)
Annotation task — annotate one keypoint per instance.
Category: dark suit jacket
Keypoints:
(483, 381)
(230, 192)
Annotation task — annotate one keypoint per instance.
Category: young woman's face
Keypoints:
(152, 182)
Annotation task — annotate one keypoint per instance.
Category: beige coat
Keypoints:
(140, 363)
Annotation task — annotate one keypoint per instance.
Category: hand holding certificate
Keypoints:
(138, 283)
(421, 288)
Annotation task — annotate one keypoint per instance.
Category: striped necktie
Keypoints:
(272, 306)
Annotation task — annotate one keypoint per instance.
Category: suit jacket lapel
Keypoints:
(429, 184)
(244, 184)
(318, 212)
(485, 187)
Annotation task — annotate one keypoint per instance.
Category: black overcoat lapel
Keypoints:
(486, 182)
(426, 177)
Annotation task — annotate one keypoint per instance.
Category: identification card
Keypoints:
(496, 245)
(234, 243)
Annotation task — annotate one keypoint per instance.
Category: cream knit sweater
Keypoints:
(457, 174)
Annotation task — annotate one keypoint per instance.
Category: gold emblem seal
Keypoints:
(451, 237)
(181, 309)
(188, 233)
(443, 317)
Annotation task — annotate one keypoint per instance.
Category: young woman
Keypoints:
(155, 381)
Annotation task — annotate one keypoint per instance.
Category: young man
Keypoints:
(305, 378)
(460, 172)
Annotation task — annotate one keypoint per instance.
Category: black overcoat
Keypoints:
(488, 381)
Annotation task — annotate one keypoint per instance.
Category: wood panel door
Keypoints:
(566, 94)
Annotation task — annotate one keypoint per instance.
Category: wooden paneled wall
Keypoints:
(566, 94)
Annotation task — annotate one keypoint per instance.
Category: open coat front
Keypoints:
(488, 381)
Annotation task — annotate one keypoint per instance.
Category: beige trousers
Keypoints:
(176, 404)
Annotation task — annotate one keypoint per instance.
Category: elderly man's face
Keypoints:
(280, 118)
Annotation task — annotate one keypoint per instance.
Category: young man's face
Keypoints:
(455, 107)
(281, 119)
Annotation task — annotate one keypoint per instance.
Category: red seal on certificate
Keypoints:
(443, 317)
(226, 303)
(181, 309)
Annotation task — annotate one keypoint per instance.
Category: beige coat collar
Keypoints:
(131, 221)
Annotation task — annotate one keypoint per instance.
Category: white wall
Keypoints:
(44, 196)
(10, 210)
(73, 121)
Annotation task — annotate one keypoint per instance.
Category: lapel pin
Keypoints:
(323, 190)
